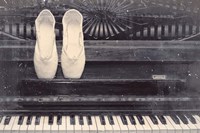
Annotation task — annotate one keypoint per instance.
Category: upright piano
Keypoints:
(142, 72)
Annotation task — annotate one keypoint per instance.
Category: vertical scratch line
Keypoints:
(5, 1)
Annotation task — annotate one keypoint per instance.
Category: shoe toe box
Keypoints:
(45, 69)
(72, 68)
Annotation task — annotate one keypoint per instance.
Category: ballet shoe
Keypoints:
(73, 51)
(45, 54)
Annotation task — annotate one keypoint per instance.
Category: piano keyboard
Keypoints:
(103, 123)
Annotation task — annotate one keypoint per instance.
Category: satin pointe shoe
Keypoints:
(73, 51)
(45, 55)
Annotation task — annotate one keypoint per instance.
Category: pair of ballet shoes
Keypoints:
(73, 51)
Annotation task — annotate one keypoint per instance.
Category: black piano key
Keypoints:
(59, 120)
(102, 120)
(37, 120)
(89, 120)
(191, 119)
(50, 120)
(132, 119)
(110, 119)
(140, 119)
(175, 119)
(7, 120)
(153, 119)
(72, 120)
(29, 120)
(81, 120)
(183, 118)
(124, 120)
(21, 119)
(162, 119)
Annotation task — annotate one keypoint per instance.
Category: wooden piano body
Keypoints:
(147, 66)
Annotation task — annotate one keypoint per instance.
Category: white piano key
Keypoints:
(185, 128)
(39, 128)
(154, 127)
(162, 127)
(16, 127)
(54, 126)
(8, 128)
(77, 126)
(46, 126)
(116, 128)
(85, 126)
(138, 126)
(2, 124)
(131, 127)
(100, 127)
(123, 128)
(70, 128)
(177, 127)
(197, 118)
(169, 126)
(62, 128)
(31, 127)
(108, 127)
(147, 128)
(24, 126)
(192, 127)
(93, 127)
